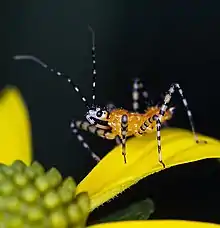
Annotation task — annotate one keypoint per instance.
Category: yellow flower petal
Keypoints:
(15, 133)
(156, 224)
(111, 176)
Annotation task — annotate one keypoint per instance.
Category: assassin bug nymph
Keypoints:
(113, 123)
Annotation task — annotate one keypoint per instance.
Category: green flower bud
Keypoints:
(32, 197)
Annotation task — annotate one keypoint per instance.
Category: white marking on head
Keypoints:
(97, 114)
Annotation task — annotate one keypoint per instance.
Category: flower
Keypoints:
(111, 176)
(156, 224)
(15, 134)
(178, 147)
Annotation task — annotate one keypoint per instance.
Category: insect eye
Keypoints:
(99, 113)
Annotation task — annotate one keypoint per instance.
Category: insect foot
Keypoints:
(201, 141)
(162, 163)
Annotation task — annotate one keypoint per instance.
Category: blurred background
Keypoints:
(160, 42)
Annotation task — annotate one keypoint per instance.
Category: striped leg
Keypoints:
(173, 87)
(77, 125)
(110, 106)
(159, 104)
(124, 128)
(138, 89)
(118, 140)
(146, 126)
(159, 141)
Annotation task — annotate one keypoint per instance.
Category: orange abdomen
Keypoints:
(135, 120)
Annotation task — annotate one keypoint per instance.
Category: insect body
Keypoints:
(112, 123)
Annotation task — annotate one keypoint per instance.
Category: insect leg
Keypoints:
(77, 125)
(138, 89)
(83, 125)
(117, 140)
(146, 126)
(124, 128)
(110, 106)
(159, 140)
(135, 95)
(168, 96)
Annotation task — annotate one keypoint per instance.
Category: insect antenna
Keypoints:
(58, 73)
(93, 67)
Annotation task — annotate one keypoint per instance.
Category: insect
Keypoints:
(115, 123)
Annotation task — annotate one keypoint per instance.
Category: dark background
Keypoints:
(159, 41)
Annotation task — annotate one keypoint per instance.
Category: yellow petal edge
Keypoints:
(111, 176)
(15, 130)
(156, 224)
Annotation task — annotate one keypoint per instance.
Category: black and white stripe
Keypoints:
(124, 128)
(76, 125)
(93, 67)
(138, 89)
(135, 95)
(143, 127)
(58, 73)
(167, 98)
(159, 141)
(86, 126)
(83, 125)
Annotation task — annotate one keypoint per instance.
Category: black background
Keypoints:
(159, 41)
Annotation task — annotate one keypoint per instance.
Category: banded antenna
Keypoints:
(58, 73)
(93, 67)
